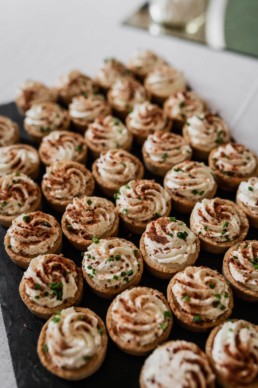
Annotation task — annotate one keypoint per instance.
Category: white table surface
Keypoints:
(45, 38)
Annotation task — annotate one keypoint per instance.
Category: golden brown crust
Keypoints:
(133, 348)
(6, 221)
(239, 289)
(109, 188)
(23, 261)
(31, 92)
(109, 293)
(60, 204)
(186, 321)
(82, 244)
(74, 374)
(208, 350)
(228, 182)
(218, 248)
(45, 312)
(162, 272)
(184, 205)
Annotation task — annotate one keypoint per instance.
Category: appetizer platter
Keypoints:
(128, 226)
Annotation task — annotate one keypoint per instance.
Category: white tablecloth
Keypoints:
(45, 38)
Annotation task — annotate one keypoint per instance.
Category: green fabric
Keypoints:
(241, 26)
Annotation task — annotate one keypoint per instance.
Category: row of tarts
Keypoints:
(73, 342)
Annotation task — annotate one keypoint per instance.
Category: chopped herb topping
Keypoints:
(78, 148)
(172, 219)
(164, 325)
(95, 240)
(69, 226)
(135, 251)
(26, 218)
(56, 319)
(167, 314)
(186, 298)
(178, 169)
(165, 156)
(9, 246)
(211, 285)
(57, 289)
(89, 202)
(37, 286)
(182, 235)
(125, 212)
(127, 186)
(116, 195)
(45, 348)
(197, 318)
(116, 121)
(115, 277)
(117, 257)
(250, 188)
(255, 263)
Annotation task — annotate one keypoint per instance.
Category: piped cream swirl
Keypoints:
(217, 219)
(74, 84)
(138, 316)
(107, 133)
(147, 118)
(9, 132)
(142, 200)
(184, 105)
(45, 117)
(118, 167)
(177, 364)
(202, 292)
(87, 109)
(166, 147)
(243, 264)
(207, 130)
(190, 180)
(18, 193)
(18, 157)
(73, 338)
(144, 61)
(247, 194)
(169, 243)
(62, 146)
(50, 280)
(125, 93)
(33, 234)
(89, 217)
(164, 81)
(66, 180)
(111, 263)
(234, 160)
(110, 71)
(235, 353)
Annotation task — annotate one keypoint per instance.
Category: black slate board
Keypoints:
(118, 369)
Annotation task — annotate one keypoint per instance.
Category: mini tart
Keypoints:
(84, 110)
(114, 168)
(124, 94)
(31, 235)
(142, 201)
(107, 133)
(188, 183)
(18, 194)
(145, 119)
(87, 219)
(143, 62)
(205, 132)
(219, 223)
(138, 320)
(73, 344)
(177, 363)
(19, 158)
(200, 298)
(60, 146)
(247, 199)
(232, 164)
(163, 150)
(233, 354)
(182, 106)
(74, 84)
(33, 92)
(9, 132)
(51, 283)
(43, 118)
(65, 180)
(168, 246)
(109, 72)
(164, 81)
(112, 265)
(240, 268)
